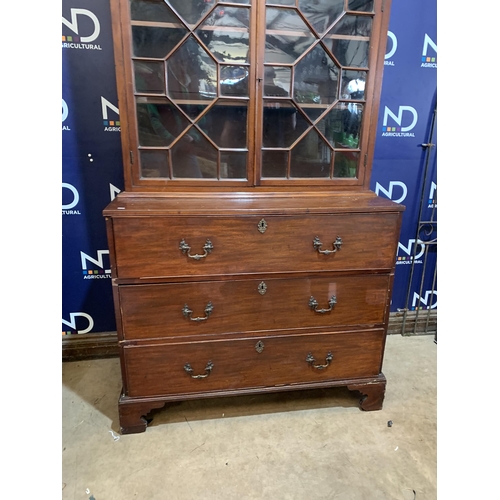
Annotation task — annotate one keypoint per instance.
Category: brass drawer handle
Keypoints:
(185, 248)
(187, 312)
(313, 304)
(337, 244)
(208, 370)
(310, 359)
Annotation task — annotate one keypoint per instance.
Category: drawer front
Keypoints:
(151, 247)
(209, 307)
(182, 368)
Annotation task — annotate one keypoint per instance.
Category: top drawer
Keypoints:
(153, 247)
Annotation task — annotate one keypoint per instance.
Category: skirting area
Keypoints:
(309, 444)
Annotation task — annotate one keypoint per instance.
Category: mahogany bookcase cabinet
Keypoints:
(248, 254)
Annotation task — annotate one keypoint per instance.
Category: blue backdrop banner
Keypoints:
(92, 165)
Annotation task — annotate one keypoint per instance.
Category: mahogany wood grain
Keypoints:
(262, 201)
(149, 247)
(154, 370)
(372, 394)
(157, 310)
(133, 416)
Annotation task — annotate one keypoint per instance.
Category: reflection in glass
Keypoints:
(321, 14)
(348, 51)
(234, 81)
(233, 165)
(361, 5)
(342, 125)
(226, 34)
(280, 2)
(152, 10)
(315, 83)
(277, 81)
(287, 36)
(191, 11)
(148, 41)
(353, 84)
(193, 157)
(226, 123)
(154, 163)
(282, 124)
(345, 164)
(311, 157)
(353, 26)
(274, 163)
(159, 122)
(149, 77)
(191, 73)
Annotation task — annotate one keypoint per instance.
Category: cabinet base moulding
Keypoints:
(134, 413)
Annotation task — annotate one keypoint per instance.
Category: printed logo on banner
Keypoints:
(113, 191)
(392, 42)
(65, 113)
(405, 253)
(70, 193)
(429, 53)
(94, 273)
(110, 125)
(432, 196)
(72, 323)
(81, 39)
(390, 191)
(406, 119)
(428, 299)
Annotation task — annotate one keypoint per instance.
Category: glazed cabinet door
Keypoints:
(247, 92)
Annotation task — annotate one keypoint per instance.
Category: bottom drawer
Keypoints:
(201, 366)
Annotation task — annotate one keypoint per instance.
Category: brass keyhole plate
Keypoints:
(262, 226)
(259, 346)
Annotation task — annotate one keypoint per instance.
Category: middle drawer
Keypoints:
(210, 307)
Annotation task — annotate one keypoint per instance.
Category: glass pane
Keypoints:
(191, 73)
(346, 164)
(321, 14)
(226, 123)
(353, 26)
(152, 10)
(351, 52)
(154, 163)
(225, 33)
(148, 41)
(353, 84)
(274, 163)
(191, 11)
(233, 165)
(282, 124)
(193, 157)
(342, 125)
(277, 81)
(280, 2)
(234, 81)
(316, 79)
(311, 157)
(149, 77)
(287, 36)
(159, 122)
(361, 5)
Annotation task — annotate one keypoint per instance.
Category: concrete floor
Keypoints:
(301, 445)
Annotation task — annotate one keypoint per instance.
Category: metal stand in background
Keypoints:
(426, 235)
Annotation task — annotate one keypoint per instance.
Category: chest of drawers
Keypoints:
(223, 294)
